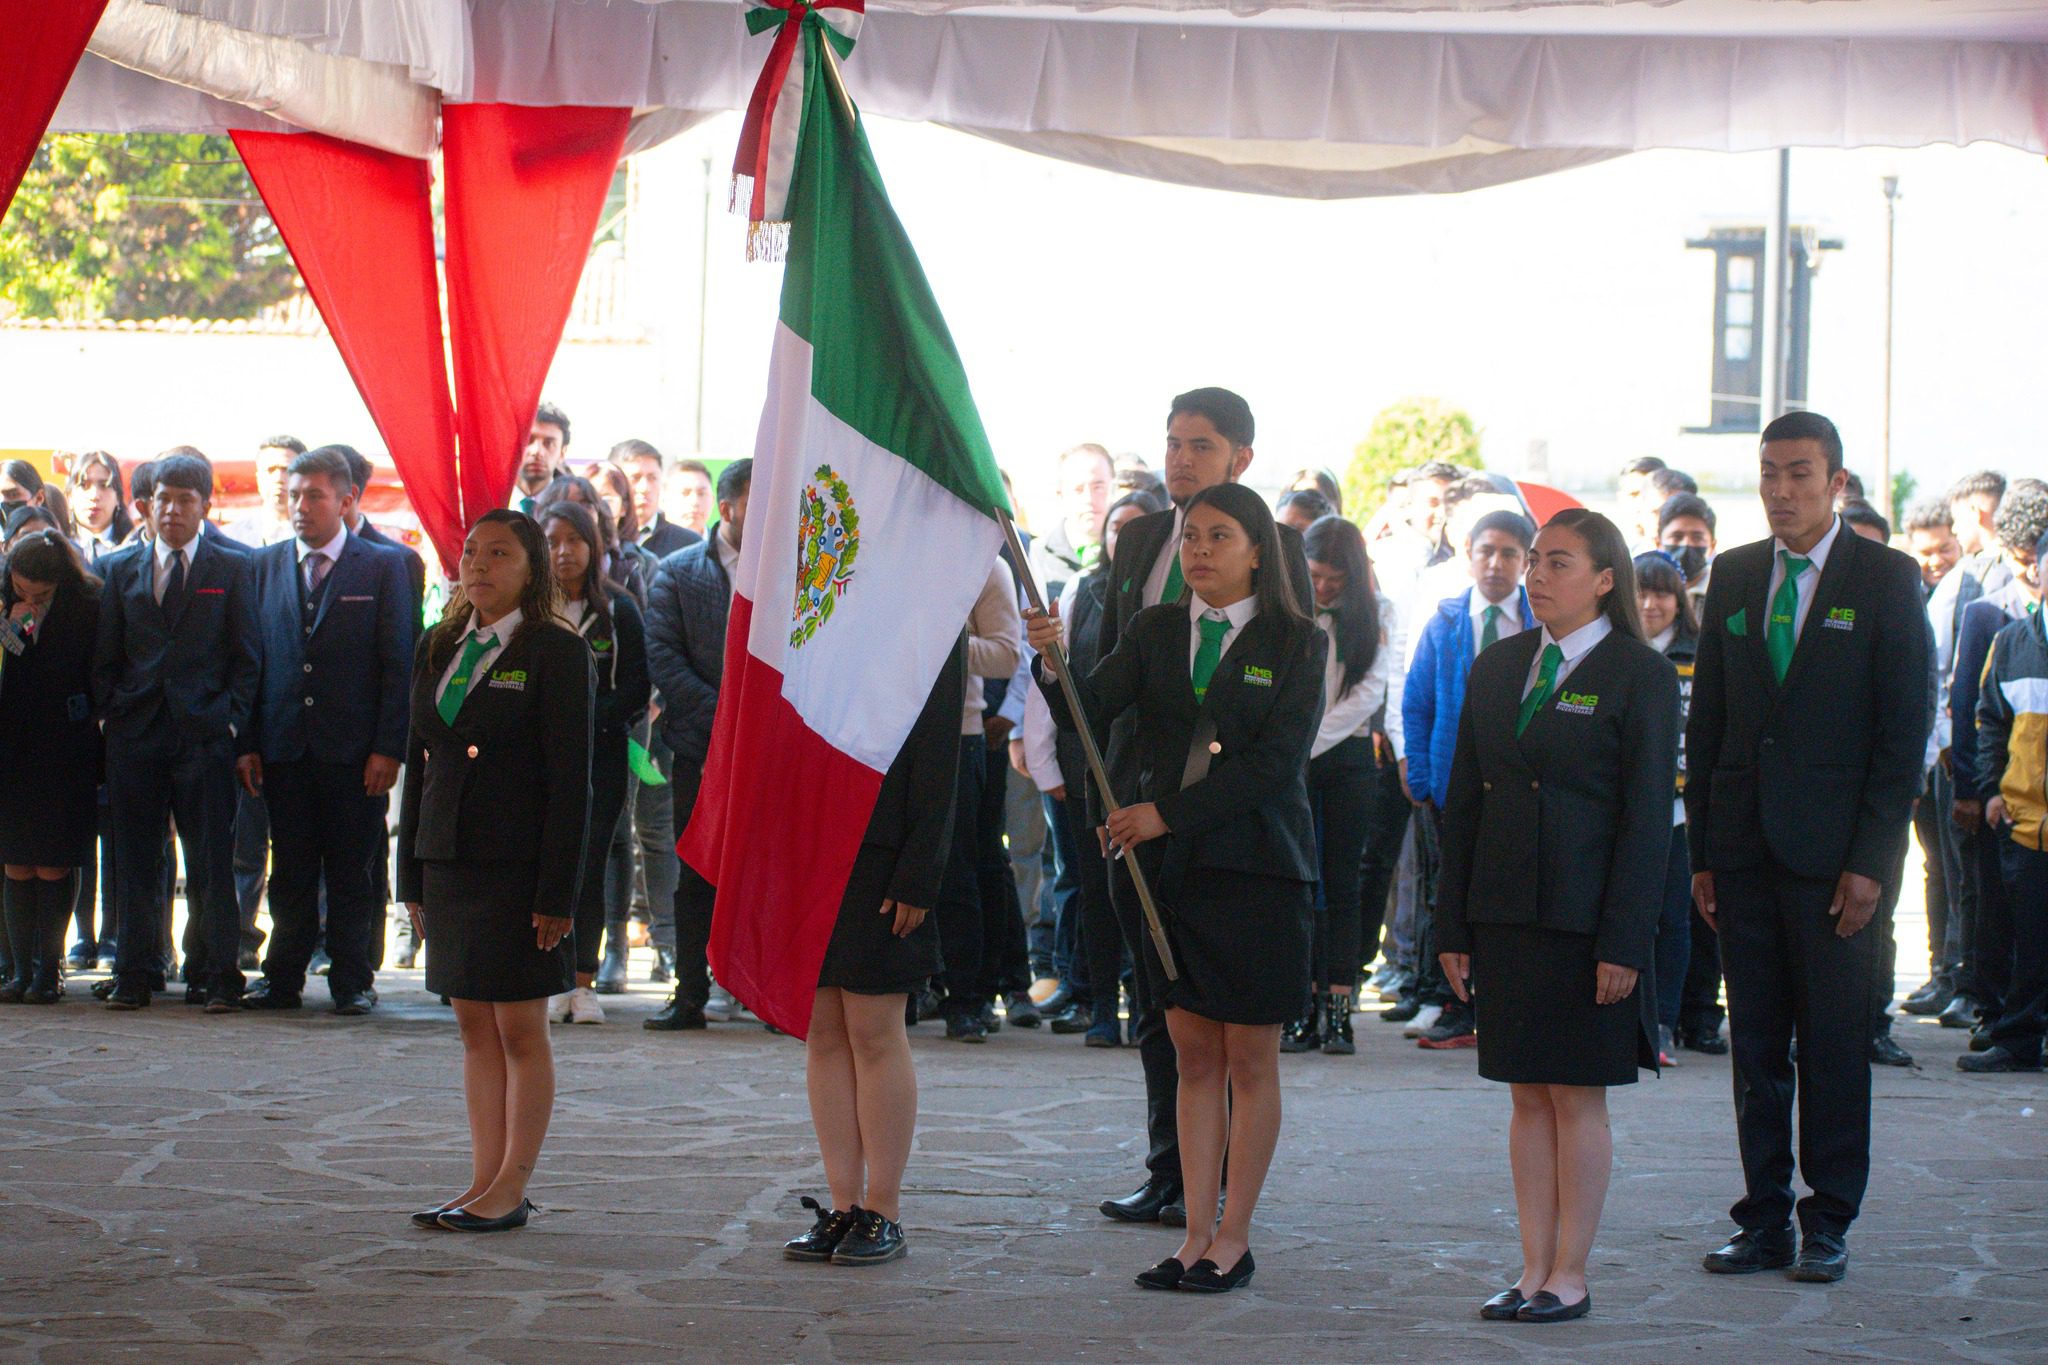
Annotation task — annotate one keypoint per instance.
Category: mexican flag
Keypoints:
(870, 531)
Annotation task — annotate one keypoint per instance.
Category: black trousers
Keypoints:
(1431, 986)
(1987, 975)
(1006, 945)
(967, 939)
(694, 896)
(1386, 828)
(1928, 817)
(607, 800)
(2022, 1021)
(1341, 789)
(194, 784)
(1699, 1008)
(1790, 976)
(1148, 1023)
(324, 829)
(1100, 955)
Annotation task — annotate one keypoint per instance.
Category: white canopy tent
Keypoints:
(1317, 100)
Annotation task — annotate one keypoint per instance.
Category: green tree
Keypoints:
(144, 226)
(1410, 432)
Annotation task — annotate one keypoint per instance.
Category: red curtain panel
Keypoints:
(359, 224)
(523, 190)
(40, 43)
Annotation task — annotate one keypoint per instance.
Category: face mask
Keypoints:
(1692, 559)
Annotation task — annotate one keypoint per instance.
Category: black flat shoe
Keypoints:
(1544, 1306)
(265, 996)
(430, 1219)
(1823, 1259)
(1204, 1278)
(462, 1220)
(872, 1240)
(1748, 1252)
(827, 1232)
(1143, 1204)
(1166, 1275)
(1503, 1306)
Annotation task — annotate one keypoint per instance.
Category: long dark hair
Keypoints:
(625, 524)
(1336, 542)
(597, 587)
(1606, 547)
(123, 523)
(1271, 584)
(1656, 572)
(1144, 499)
(537, 603)
(45, 556)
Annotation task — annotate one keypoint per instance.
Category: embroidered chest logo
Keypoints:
(1258, 677)
(512, 679)
(600, 645)
(1578, 703)
(827, 542)
(1841, 618)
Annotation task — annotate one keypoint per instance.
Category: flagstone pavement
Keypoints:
(181, 1187)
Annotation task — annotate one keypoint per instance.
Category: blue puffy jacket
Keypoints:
(1435, 694)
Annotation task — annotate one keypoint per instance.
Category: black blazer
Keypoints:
(196, 670)
(335, 691)
(48, 732)
(665, 537)
(1567, 826)
(687, 609)
(1083, 604)
(415, 567)
(509, 781)
(620, 657)
(913, 814)
(1818, 773)
(1250, 813)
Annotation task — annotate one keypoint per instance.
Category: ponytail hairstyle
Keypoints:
(1339, 544)
(1271, 585)
(538, 601)
(1606, 547)
(43, 555)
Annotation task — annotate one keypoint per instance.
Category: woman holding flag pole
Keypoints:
(1227, 684)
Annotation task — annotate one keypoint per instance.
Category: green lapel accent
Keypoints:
(1738, 624)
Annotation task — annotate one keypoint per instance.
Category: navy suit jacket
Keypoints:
(337, 692)
(666, 538)
(686, 615)
(193, 672)
(415, 567)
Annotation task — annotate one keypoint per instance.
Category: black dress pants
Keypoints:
(694, 896)
(963, 936)
(1928, 818)
(1340, 792)
(194, 784)
(2021, 1023)
(324, 828)
(1006, 946)
(1155, 1044)
(1699, 1008)
(1385, 831)
(1790, 976)
(1991, 941)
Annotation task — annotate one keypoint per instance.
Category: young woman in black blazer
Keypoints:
(492, 835)
(1672, 628)
(50, 753)
(608, 619)
(1227, 685)
(1555, 837)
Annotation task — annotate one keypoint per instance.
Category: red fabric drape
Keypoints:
(359, 223)
(524, 189)
(40, 43)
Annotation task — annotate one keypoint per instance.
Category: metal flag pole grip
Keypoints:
(1096, 768)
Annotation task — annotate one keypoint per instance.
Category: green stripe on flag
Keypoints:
(883, 361)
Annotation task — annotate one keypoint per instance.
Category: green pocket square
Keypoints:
(1738, 624)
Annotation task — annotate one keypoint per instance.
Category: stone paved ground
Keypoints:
(177, 1187)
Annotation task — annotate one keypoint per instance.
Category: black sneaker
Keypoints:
(965, 1028)
(1454, 1028)
(989, 1022)
(827, 1232)
(1074, 1019)
(873, 1240)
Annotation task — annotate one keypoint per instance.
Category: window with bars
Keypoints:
(1735, 392)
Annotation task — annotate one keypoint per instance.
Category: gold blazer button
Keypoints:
(1215, 746)
(1486, 786)
(472, 751)
(1533, 786)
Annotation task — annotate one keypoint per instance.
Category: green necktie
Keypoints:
(1780, 639)
(527, 505)
(1174, 582)
(1546, 679)
(1489, 633)
(458, 686)
(1209, 653)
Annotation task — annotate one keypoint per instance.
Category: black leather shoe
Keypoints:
(266, 996)
(195, 995)
(1503, 1306)
(1931, 998)
(872, 1240)
(828, 1230)
(1175, 1214)
(1166, 1275)
(1204, 1278)
(674, 1017)
(1995, 1058)
(1980, 1039)
(1143, 1204)
(1073, 1019)
(1886, 1052)
(1961, 1012)
(1020, 1012)
(1544, 1306)
(356, 1003)
(966, 1028)
(128, 998)
(1406, 1008)
(1712, 1044)
(1748, 1252)
(1823, 1259)
(462, 1220)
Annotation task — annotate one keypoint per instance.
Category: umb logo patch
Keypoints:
(1258, 677)
(827, 542)
(1578, 703)
(1841, 618)
(512, 679)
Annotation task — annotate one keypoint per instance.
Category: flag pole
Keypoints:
(838, 81)
(1096, 768)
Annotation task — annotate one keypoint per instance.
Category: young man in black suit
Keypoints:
(328, 733)
(1811, 709)
(174, 676)
(686, 615)
(643, 467)
(1209, 435)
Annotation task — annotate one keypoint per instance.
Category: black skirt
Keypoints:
(480, 934)
(48, 819)
(1538, 1023)
(864, 955)
(1242, 945)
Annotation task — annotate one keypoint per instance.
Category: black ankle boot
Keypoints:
(1306, 1033)
(18, 905)
(1337, 1039)
(54, 902)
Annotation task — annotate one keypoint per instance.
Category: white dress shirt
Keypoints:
(573, 614)
(728, 559)
(163, 552)
(1155, 582)
(1351, 714)
(1510, 621)
(331, 551)
(501, 636)
(97, 545)
(1576, 646)
(1237, 613)
(1808, 580)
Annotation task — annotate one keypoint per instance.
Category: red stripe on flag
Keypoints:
(777, 825)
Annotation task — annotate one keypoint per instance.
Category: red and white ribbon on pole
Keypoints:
(768, 137)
